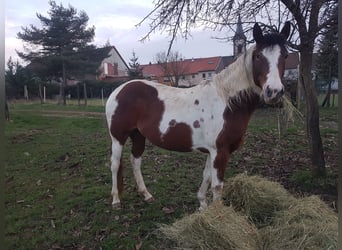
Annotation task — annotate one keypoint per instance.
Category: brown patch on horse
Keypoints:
(281, 62)
(196, 124)
(260, 67)
(236, 119)
(138, 143)
(203, 150)
(177, 138)
(172, 123)
(139, 108)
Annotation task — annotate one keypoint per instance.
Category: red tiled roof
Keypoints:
(190, 66)
(152, 70)
(193, 66)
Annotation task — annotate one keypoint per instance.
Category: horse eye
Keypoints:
(257, 56)
(286, 55)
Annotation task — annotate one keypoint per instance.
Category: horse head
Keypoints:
(268, 62)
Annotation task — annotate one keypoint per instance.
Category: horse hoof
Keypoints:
(150, 200)
(116, 206)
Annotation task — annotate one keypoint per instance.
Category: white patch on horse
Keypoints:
(272, 54)
(240, 71)
(112, 104)
(179, 106)
(136, 165)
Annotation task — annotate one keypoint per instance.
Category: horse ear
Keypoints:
(257, 33)
(285, 31)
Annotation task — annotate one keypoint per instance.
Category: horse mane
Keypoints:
(235, 82)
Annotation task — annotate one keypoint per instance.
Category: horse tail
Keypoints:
(120, 178)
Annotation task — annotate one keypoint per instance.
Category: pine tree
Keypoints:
(16, 76)
(134, 71)
(61, 47)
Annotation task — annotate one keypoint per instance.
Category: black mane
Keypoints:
(273, 39)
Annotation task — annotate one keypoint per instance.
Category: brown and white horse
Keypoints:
(211, 117)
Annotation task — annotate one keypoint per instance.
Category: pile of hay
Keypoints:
(217, 227)
(256, 197)
(260, 215)
(308, 224)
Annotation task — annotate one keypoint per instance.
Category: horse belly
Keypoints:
(176, 138)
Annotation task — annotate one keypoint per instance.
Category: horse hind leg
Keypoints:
(138, 147)
(116, 169)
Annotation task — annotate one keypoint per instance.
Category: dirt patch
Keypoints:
(25, 137)
(329, 124)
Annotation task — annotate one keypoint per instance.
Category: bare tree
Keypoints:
(308, 17)
(172, 65)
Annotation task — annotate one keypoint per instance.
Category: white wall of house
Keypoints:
(195, 79)
(115, 58)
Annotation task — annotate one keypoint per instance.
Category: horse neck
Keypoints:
(237, 78)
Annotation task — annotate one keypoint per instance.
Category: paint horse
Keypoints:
(211, 117)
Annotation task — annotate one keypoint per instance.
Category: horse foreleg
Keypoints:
(202, 192)
(217, 173)
(115, 164)
(136, 164)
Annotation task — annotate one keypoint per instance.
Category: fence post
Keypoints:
(85, 94)
(44, 93)
(102, 96)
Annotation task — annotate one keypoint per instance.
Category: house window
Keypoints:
(203, 75)
(193, 76)
(183, 77)
(210, 75)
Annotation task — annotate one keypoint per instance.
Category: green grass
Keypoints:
(58, 180)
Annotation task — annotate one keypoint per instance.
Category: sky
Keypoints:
(115, 21)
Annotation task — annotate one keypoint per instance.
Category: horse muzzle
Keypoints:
(272, 96)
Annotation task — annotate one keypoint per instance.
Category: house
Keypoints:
(191, 71)
(199, 69)
(153, 72)
(113, 67)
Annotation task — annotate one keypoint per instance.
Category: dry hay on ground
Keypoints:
(217, 227)
(288, 223)
(308, 224)
(256, 197)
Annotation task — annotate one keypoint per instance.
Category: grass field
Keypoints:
(58, 180)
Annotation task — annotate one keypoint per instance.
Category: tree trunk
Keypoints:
(312, 114)
(7, 114)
